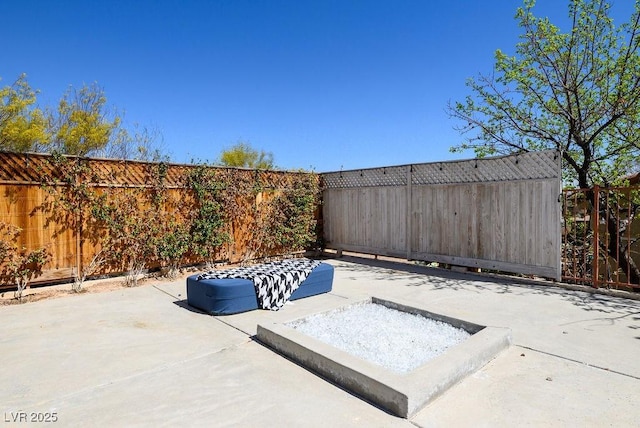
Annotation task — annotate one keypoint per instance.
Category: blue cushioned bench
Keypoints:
(233, 295)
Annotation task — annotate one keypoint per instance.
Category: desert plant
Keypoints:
(80, 276)
(26, 265)
(19, 264)
(171, 246)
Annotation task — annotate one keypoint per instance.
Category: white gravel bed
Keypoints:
(396, 340)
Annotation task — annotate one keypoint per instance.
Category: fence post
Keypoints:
(77, 182)
(596, 238)
(409, 208)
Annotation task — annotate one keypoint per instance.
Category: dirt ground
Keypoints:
(36, 294)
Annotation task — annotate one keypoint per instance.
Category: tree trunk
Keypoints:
(620, 253)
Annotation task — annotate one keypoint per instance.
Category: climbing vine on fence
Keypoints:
(291, 223)
(128, 217)
(72, 198)
(208, 220)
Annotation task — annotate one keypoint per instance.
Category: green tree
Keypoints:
(83, 125)
(577, 92)
(243, 155)
(23, 127)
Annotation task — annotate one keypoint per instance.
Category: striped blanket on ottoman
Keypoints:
(274, 282)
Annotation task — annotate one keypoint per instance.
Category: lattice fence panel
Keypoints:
(525, 166)
(390, 176)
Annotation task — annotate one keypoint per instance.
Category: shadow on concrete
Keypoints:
(611, 308)
(256, 340)
(184, 305)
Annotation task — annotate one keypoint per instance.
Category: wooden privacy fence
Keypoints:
(601, 237)
(65, 204)
(499, 213)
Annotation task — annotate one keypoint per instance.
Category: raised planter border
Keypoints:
(402, 394)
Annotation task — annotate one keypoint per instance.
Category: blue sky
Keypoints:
(322, 84)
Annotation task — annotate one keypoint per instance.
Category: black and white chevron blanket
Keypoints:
(274, 282)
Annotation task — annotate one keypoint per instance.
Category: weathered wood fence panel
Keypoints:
(22, 207)
(495, 213)
(381, 217)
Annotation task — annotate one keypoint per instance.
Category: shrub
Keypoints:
(19, 265)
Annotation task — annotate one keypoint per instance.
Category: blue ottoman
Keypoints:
(233, 295)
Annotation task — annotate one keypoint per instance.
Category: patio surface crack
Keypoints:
(165, 292)
(233, 326)
(579, 362)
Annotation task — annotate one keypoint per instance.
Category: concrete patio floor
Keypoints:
(142, 357)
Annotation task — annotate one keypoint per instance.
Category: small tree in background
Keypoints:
(244, 156)
(82, 124)
(136, 142)
(577, 92)
(23, 127)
